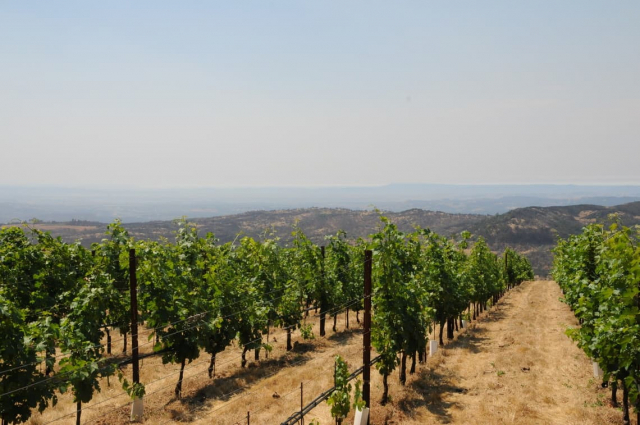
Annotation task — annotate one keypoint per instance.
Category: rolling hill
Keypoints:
(531, 230)
(534, 230)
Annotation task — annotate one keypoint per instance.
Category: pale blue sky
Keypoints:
(239, 93)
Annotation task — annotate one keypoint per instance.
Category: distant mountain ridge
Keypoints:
(137, 204)
(531, 230)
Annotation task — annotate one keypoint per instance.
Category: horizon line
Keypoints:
(319, 186)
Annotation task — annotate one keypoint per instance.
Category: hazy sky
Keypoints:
(234, 93)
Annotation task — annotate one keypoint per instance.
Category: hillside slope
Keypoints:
(534, 230)
(531, 230)
(315, 222)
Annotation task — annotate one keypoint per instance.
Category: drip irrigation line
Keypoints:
(339, 308)
(250, 392)
(203, 312)
(267, 376)
(206, 312)
(189, 367)
(200, 321)
(204, 361)
(146, 395)
(103, 359)
(49, 379)
(102, 345)
(300, 413)
(148, 331)
(85, 408)
(61, 355)
(283, 396)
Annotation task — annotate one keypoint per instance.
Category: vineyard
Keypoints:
(72, 317)
(599, 273)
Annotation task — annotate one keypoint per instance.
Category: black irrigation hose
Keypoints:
(297, 416)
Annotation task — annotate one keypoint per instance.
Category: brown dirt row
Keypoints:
(514, 366)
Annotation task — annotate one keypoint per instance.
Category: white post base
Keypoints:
(433, 347)
(137, 409)
(464, 323)
(361, 417)
(597, 371)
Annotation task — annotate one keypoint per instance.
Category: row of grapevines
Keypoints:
(422, 279)
(599, 273)
(52, 295)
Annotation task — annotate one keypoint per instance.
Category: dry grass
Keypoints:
(513, 366)
(218, 399)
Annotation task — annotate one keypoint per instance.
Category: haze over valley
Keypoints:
(130, 204)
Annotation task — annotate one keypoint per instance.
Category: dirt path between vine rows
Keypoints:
(514, 366)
